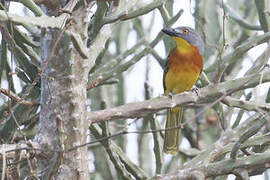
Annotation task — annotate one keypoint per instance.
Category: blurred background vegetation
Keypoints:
(236, 35)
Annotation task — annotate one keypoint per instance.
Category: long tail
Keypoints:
(171, 140)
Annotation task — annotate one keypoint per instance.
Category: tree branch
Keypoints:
(239, 51)
(260, 6)
(10, 149)
(33, 7)
(16, 98)
(242, 22)
(43, 21)
(246, 105)
(133, 14)
(125, 167)
(223, 167)
(206, 95)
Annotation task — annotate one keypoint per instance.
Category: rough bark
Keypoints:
(63, 103)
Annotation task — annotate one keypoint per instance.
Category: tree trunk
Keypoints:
(63, 122)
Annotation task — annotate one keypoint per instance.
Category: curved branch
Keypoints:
(126, 15)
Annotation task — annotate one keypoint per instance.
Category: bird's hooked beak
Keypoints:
(170, 31)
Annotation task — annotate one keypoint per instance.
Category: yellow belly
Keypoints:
(181, 78)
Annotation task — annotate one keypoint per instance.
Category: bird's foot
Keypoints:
(195, 90)
(170, 95)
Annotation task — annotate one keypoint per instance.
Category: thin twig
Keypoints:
(16, 98)
(37, 78)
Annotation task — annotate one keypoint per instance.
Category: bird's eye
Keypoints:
(185, 31)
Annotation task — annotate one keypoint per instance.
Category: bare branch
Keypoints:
(16, 98)
(239, 51)
(246, 105)
(223, 167)
(10, 150)
(242, 22)
(33, 7)
(132, 14)
(43, 21)
(206, 95)
(260, 5)
(125, 167)
(247, 134)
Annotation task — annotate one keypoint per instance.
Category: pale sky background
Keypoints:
(135, 76)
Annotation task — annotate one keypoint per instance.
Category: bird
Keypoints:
(181, 72)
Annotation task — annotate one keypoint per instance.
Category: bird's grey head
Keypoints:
(188, 34)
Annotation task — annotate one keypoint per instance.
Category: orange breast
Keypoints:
(184, 70)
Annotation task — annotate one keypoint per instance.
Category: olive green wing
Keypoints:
(165, 71)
